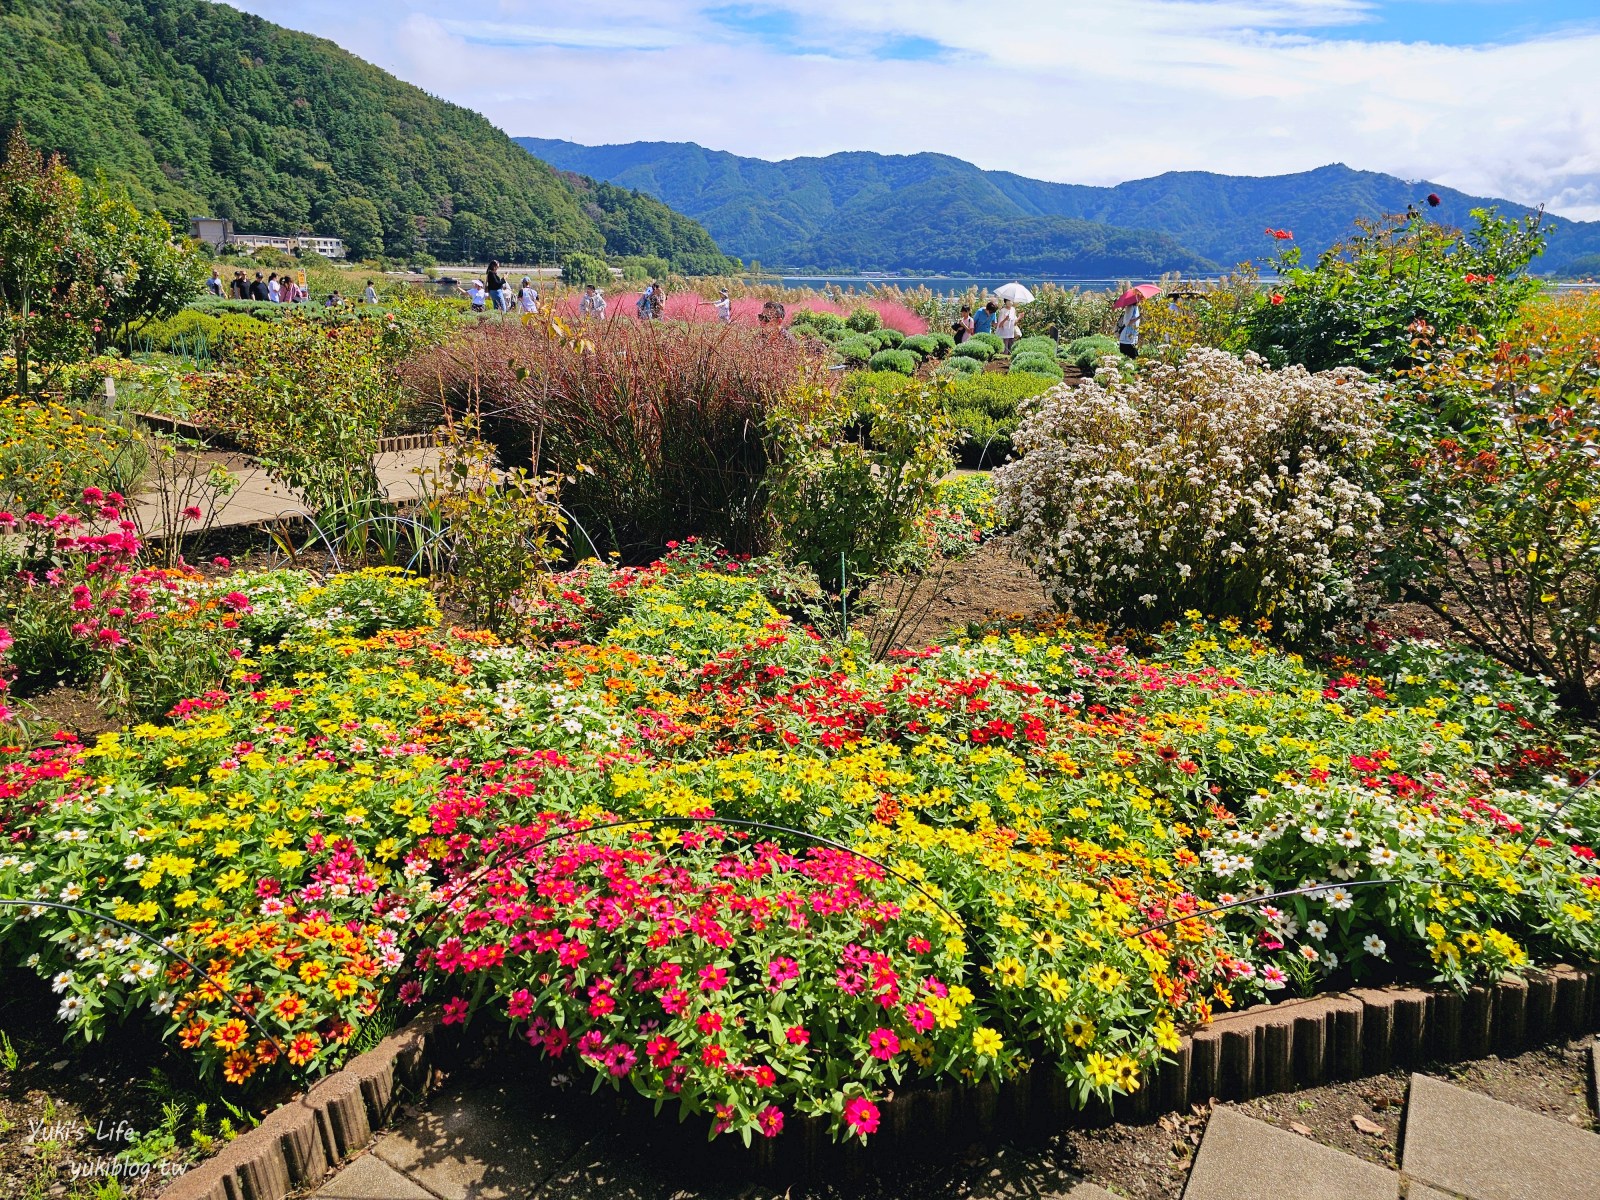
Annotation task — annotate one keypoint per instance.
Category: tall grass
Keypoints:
(696, 306)
(660, 428)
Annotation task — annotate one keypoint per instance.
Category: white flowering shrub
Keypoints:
(1214, 484)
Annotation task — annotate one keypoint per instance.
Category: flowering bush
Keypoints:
(1492, 500)
(49, 453)
(1214, 484)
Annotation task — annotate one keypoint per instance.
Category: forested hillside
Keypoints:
(204, 110)
(871, 212)
(931, 211)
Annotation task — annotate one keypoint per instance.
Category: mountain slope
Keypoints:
(202, 109)
(871, 212)
(866, 205)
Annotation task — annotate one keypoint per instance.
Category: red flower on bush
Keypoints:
(861, 1115)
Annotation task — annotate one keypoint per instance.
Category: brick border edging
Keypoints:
(1256, 1051)
(297, 1144)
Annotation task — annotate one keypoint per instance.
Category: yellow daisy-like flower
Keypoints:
(1010, 972)
(1166, 1034)
(1080, 1031)
(987, 1043)
(1126, 1072)
(1102, 1071)
(1104, 977)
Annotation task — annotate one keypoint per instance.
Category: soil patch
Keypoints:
(992, 583)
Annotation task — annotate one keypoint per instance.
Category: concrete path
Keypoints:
(1457, 1144)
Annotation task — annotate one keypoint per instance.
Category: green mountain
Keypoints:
(204, 110)
(924, 212)
(932, 212)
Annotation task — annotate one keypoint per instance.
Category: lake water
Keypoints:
(949, 285)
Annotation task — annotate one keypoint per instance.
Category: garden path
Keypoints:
(505, 1135)
(258, 500)
(1456, 1143)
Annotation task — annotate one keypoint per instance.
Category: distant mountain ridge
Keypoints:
(863, 211)
(203, 110)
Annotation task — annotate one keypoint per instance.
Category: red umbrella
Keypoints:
(1133, 295)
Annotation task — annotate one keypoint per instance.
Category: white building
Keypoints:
(218, 232)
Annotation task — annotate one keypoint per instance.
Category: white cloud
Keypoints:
(1073, 90)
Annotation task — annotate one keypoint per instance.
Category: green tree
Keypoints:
(41, 299)
(581, 267)
(357, 221)
(138, 271)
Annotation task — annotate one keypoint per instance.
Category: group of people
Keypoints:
(274, 289)
(493, 289)
(1006, 324)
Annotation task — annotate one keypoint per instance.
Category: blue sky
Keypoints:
(1492, 96)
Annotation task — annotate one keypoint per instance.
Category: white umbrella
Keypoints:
(1014, 292)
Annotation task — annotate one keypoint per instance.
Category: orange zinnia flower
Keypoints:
(230, 1035)
(303, 1048)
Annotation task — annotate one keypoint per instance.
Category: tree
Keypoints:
(41, 301)
(139, 273)
(357, 221)
(580, 268)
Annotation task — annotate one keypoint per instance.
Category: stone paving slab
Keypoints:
(486, 1143)
(370, 1178)
(1244, 1159)
(1471, 1145)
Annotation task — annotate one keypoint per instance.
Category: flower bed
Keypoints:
(700, 851)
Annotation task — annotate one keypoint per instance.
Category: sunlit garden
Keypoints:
(634, 737)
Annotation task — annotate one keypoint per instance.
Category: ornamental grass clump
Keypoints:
(1215, 484)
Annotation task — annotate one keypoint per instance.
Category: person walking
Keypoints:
(593, 303)
(258, 288)
(496, 285)
(528, 297)
(240, 287)
(1128, 330)
(983, 319)
(1007, 325)
(965, 326)
(370, 296)
(274, 289)
(214, 284)
(725, 308)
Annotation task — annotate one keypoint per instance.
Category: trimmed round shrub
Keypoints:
(903, 361)
(1086, 352)
(881, 339)
(855, 349)
(961, 365)
(1035, 364)
(973, 348)
(864, 320)
(946, 342)
(991, 340)
(894, 337)
(820, 321)
(1034, 345)
(923, 345)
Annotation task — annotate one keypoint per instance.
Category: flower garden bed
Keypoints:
(705, 853)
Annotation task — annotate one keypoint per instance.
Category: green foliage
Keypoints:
(853, 475)
(864, 320)
(823, 322)
(643, 268)
(991, 340)
(1492, 498)
(923, 345)
(974, 349)
(200, 109)
(983, 407)
(881, 338)
(1069, 313)
(892, 339)
(902, 361)
(1085, 353)
(311, 401)
(1034, 345)
(961, 364)
(1370, 301)
(500, 532)
(1035, 364)
(855, 349)
(580, 268)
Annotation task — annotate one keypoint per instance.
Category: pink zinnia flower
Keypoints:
(861, 1115)
(455, 1011)
(883, 1043)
